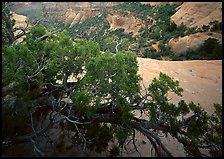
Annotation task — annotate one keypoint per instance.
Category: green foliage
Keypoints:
(83, 100)
(159, 91)
(114, 151)
(34, 64)
(151, 53)
(113, 74)
(213, 26)
(205, 27)
(7, 25)
(171, 27)
(100, 135)
(37, 31)
(211, 49)
(105, 80)
(200, 129)
(216, 26)
(15, 116)
(164, 84)
(162, 30)
(97, 28)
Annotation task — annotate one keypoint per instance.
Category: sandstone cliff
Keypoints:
(197, 14)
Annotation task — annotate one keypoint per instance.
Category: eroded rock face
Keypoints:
(20, 19)
(182, 44)
(71, 17)
(197, 14)
(116, 20)
(129, 23)
(20, 22)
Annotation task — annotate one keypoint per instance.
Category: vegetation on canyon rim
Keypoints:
(157, 28)
(106, 90)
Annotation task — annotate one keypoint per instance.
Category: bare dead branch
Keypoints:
(32, 124)
(37, 151)
(37, 72)
(41, 38)
(133, 139)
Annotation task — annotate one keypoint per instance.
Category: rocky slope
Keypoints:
(128, 22)
(20, 22)
(190, 14)
(71, 17)
(181, 44)
(200, 79)
(197, 14)
(116, 19)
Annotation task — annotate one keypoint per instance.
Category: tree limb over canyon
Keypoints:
(98, 106)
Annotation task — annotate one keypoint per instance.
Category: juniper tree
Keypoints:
(105, 92)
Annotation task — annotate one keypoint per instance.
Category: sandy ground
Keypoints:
(200, 79)
(201, 82)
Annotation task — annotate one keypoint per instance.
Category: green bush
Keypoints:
(211, 49)
(216, 26)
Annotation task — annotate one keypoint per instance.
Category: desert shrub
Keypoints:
(211, 49)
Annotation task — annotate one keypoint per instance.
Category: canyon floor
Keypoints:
(201, 80)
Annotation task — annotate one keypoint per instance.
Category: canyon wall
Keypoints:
(197, 14)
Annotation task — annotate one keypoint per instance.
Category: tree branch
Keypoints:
(41, 38)
(133, 139)
(8, 89)
(155, 140)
